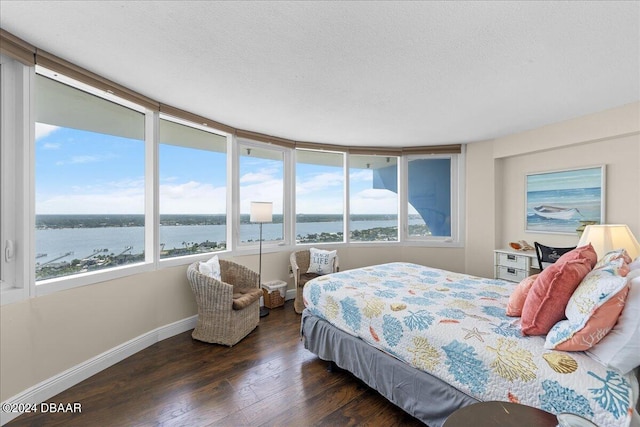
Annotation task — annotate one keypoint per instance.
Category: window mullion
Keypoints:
(152, 191)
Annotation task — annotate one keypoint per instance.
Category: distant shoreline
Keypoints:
(57, 221)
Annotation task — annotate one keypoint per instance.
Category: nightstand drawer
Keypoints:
(513, 260)
(510, 273)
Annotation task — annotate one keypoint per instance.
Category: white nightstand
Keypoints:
(515, 265)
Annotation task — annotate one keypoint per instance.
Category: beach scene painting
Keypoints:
(557, 202)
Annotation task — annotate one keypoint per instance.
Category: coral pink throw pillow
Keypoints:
(586, 252)
(598, 325)
(519, 295)
(549, 295)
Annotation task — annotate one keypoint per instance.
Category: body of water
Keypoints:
(66, 244)
(587, 201)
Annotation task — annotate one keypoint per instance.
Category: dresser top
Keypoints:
(530, 254)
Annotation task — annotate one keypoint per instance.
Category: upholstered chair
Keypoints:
(228, 309)
(300, 261)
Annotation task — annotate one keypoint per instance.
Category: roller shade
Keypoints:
(433, 149)
(84, 111)
(324, 158)
(184, 136)
(190, 117)
(61, 66)
(375, 151)
(254, 136)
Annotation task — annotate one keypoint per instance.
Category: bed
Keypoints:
(432, 341)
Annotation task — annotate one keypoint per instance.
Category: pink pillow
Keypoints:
(549, 295)
(598, 326)
(519, 295)
(586, 252)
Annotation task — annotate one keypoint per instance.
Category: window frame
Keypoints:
(48, 286)
(457, 198)
(345, 198)
(240, 247)
(188, 259)
(400, 222)
(20, 129)
(16, 81)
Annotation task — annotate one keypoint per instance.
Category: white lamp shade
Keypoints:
(261, 212)
(608, 237)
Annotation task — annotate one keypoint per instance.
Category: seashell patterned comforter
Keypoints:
(454, 327)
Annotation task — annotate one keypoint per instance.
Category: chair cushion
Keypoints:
(243, 298)
(304, 278)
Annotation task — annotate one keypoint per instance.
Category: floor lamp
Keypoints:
(261, 212)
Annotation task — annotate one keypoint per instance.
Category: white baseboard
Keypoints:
(57, 384)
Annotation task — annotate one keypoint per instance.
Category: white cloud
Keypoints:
(374, 201)
(320, 182)
(329, 203)
(255, 177)
(78, 160)
(365, 175)
(192, 198)
(116, 197)
(51, 146)
(112, 203)
(43, 130)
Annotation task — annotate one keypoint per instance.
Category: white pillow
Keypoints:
(633, 274)
(620, 349)
(321, 262)
(635, 264)
(210, 268)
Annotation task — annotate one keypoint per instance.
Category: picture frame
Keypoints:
(561, 201)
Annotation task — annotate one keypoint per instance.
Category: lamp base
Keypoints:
(264, 311)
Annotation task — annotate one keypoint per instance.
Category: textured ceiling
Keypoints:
(355, 73)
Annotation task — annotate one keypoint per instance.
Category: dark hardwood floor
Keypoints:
(267, 379)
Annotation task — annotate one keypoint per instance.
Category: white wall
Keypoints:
(497, 169)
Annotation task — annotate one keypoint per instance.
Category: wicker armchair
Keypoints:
(228, 309)
(299, 265)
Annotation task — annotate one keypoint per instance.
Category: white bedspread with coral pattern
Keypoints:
(454, 327)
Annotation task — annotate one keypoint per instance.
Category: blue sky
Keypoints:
(79, 172)
(579, 178)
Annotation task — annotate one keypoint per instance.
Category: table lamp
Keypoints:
(608, 237)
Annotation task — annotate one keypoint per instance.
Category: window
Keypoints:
(432, 196)
(319, 196)
(373, 198)
(89, 181)
(193, 190)
(261, 179)
(14, 180)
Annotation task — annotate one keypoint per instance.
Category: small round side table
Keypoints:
(500, 414)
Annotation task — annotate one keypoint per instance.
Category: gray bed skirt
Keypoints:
(424, 396)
